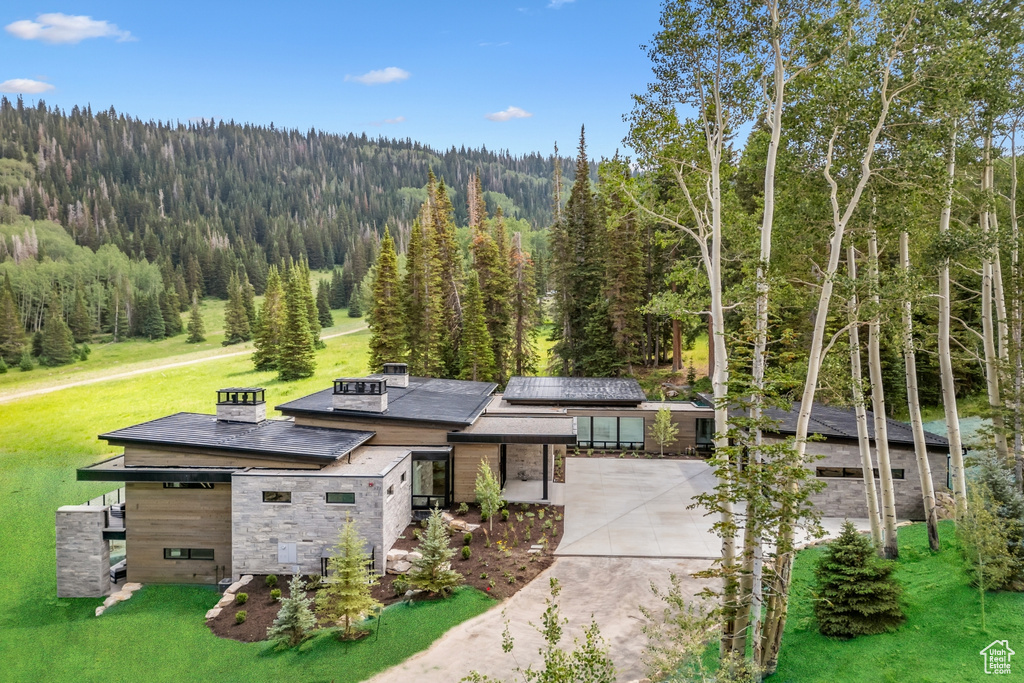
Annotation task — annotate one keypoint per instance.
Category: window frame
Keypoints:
(327, 497)
(278, 502)
(188, 554)
(618, 444)
(898, 473)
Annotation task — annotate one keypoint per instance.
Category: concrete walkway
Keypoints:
(637, 508)
(609, 590)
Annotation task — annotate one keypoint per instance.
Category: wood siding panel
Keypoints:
(158, 518)
(467, 459)
(153, 457)
(386, 433)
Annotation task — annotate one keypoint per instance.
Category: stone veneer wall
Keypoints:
(309, 521)
(528, 458)
(83, 556)
(242, 412)
(846, 497)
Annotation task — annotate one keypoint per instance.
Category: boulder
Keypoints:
(945, 506)
(394, 555)
(671, 393)
(226, 600)
(399, 567)
(413, 556)
(212, 614)
(100, 610)
(131, 587)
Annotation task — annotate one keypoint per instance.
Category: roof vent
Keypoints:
(397, 374)
(241, 405)
(364, 394)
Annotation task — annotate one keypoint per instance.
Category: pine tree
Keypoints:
(80, 321)
(856, 592)
(523, 351)
(348, 596)
(196, 329)
(495, 279)
(477, 356)
(58, 345)
(271, 324)
(385, 318)
(170, 308)
(337, 290)
(12, 334)
(433, 571)
(446, 259)
(236, 322)
(624, 277)
(3, 366)
(294, 619)
(249, 301)
(422, 319)
(323, 304)
(153, 327)
(355, 303)
(296, 360)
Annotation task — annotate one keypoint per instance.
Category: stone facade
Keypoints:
(526, 462)
(83, 556)
(371, 403)
(846, 497)
(264, 534)
(242, 412)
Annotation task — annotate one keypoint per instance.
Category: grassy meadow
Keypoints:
(160, 633)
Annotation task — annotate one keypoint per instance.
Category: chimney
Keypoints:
(241, 405)
(397, 374)
(366, 394)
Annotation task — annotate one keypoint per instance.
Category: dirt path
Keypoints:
(607, 589)
(16, 396)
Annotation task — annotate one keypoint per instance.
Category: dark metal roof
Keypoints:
(277, 438)
(574, 391)
(841, 423)
(444, 401)
(113, 469)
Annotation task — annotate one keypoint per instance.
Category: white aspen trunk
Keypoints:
(890, 546)
(914, 406)
(1016, 323)
(997, 270)
(988, 324)
(952, 413)
(856, 384)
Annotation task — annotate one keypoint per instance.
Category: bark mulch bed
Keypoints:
(499, 565)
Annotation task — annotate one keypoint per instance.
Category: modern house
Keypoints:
(209, 497)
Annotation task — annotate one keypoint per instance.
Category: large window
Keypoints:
(705, 430)
(188, 553)
(616, 433)
(852, 473)
(342, 497)
(277, 496)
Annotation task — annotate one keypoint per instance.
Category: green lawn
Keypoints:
(159, 634)
(940, 640)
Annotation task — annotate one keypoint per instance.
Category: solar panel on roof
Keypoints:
(591, 390)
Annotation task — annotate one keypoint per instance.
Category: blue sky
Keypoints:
(429, 71)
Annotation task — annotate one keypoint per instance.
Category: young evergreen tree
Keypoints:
(337, 290)
(355, 303)
(249, 301)
(12, 334)
(523, 351)
(58, 345)
(856, 592)
(196, 329)
(271, 324)
(296, 359)
(3, 366)
(312, 316)
(170, 309)
(295, 618)
(477, 355)
(152, 316)
(433, 572)
(80, 321)
(323, 304)
(385, 319)
(348, 596)
(236, 322)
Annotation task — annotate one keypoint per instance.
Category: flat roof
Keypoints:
(113, 469)
(270, 438)
(426, 399)
(367, 461)
(518, 429)
(574, 391)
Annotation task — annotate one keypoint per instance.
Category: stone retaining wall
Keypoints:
(83, 556)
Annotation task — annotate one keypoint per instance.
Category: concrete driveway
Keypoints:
(609, 590)
(626, 507)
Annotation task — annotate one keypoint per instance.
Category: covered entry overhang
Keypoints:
(521, 433)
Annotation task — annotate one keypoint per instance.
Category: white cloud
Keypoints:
(66, 28)
(509, 114)
(557, 4)
(25, 86)
(378, 76)
(397, 119)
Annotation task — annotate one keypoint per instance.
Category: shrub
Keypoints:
(400, 585)
(240, 616)
(275, 594)
(463, 508)
(467, 552)
(271, 580)
(241, 598)
(26, 362)
(315, 582)
(504, 515)
(467, 538)
(856, 592)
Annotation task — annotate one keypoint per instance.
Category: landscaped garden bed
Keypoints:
(500, 564)
(692, 454)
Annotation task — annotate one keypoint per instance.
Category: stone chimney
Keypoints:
(366, 394)
(397, 375)
(241, 405)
